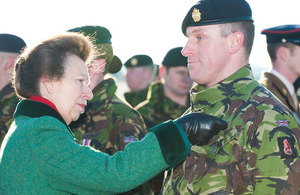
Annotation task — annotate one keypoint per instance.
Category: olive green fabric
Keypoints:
(108, 123)
(159, 108)
(136, 97)
(40, 155)
(8, 103)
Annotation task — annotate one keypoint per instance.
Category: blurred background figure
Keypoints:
(167, 99)
(139, 74)
(297, 88)
(283, 44)
(10, 47)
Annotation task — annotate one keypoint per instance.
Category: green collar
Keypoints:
(35, 109)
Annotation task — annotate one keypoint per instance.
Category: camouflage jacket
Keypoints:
(136, 97)
(8, 103)
(257, 154)
(108, 123)
(159, 108)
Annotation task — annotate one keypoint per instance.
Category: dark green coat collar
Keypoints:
(35, 109)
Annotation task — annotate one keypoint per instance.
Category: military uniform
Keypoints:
(257, 154)
(141, 60)
(280, 90)
(108, 123)
(136, 97)
(158, 108)
(8, 103)
(9, 43)
(283, 36)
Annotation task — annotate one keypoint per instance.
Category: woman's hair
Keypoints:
(48, 59)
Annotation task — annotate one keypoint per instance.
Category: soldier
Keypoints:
(168, 99)
(283, 44)
(259, 152)
(139, 74)
(10, 47)
(108, 123)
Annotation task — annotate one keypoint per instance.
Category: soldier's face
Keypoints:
(177, 80)
(208, 53)
(138, 78)
(293, 62)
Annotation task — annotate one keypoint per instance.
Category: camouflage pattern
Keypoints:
(159, 108)
(8, 103)
(108, 122)
(136, 97)
(246, 157)
(155, 110)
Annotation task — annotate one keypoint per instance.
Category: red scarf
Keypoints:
(42, 100)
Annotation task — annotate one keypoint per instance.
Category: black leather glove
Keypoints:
(201, 127)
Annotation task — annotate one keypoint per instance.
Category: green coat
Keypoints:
(8, 103)
(39, 155)
(257, 154)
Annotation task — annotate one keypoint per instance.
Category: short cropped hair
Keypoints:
(246, 27)
(273, 47)
(48, 58)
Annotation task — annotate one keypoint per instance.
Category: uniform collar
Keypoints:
(288, 85)
(107, 86)
(202, 96)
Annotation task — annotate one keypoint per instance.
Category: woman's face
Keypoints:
(70, 93)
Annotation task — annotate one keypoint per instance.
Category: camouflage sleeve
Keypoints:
(127, 129)
(275, 163)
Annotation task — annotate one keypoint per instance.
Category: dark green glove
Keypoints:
(201, 127)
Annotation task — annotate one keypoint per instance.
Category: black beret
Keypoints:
(11, 43)
(283, 34)
(100, 33)
(174, 58)
(102, 37)
(139, 60)
(207, 12)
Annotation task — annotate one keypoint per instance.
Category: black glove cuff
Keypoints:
(174, 146)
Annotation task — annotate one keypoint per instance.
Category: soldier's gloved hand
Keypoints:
(201, 127)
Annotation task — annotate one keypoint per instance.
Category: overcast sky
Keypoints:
(137, 26)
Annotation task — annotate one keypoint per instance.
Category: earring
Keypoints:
(51, 91)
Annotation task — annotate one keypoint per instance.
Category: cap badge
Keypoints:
(196, 15)
(134, 61)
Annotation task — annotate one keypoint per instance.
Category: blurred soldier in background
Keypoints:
(140, 72)
(283, 43)
(168, 99)
(10, 48)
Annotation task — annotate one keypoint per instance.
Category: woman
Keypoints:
(39, 155)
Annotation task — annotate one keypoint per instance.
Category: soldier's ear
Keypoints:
(236, 41)
(9, 63)
(282, 53)
(162, 71)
